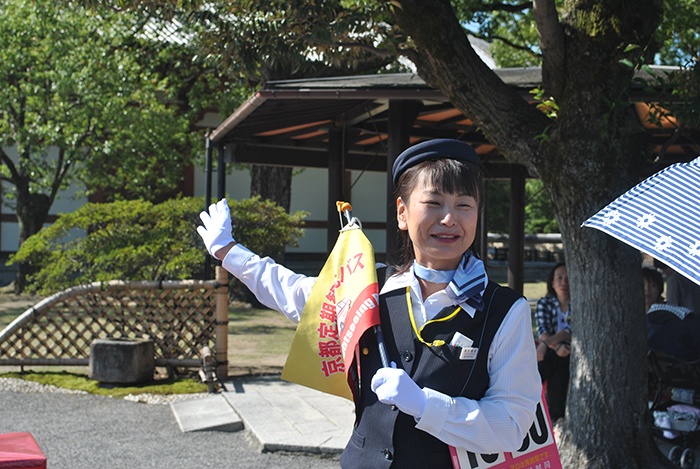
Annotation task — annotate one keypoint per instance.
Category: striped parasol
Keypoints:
(660, 216)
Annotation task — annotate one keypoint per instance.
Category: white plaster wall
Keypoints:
(309, 193)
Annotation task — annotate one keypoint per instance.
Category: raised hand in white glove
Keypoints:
(216, 232)
(394, 386)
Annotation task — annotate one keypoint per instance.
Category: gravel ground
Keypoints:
(78, 430)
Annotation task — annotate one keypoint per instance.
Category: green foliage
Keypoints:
(127, 240)
(264, 227)
(138, 240)
(679, 35)
(75, 90)
(498, 208)
(546, 104)
(257, 40)
(539, 214)
(78, 382)
(513, 38)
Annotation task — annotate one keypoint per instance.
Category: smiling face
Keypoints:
(441, 225)
(425, 193)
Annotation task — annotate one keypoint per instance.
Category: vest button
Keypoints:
(387, 454)
(407, 356)
(393, 407)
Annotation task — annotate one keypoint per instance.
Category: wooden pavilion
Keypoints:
(364, 122)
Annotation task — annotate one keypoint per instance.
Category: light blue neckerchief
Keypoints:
(432, 275)
(466, 284)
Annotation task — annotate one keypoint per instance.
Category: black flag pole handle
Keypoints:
(382, 347)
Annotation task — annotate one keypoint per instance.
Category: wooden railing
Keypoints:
(180, 317)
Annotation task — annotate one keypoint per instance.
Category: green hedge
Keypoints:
(138, 240)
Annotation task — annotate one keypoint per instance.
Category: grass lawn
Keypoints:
(258, 341)
(11, 306)
(80, 382)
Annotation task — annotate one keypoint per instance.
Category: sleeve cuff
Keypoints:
(236, 258)
(437, 408)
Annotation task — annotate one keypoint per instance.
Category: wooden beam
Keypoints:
(336, 180)
(516, 229)
(307, 157)
(402, 114)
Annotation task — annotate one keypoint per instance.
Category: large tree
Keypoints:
(78, 109)
(585, 157)
(590, 152)
(256, 42)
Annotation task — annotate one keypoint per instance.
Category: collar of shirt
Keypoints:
(422, 310)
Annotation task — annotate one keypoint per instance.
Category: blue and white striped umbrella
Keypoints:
(661, 217)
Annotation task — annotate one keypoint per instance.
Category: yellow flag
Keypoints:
(343, 304)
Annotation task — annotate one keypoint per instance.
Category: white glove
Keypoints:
(394, 386)
(216, 232)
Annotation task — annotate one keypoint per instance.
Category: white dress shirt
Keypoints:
(495, 423)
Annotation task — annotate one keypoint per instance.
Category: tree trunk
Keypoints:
(592, 152)
(273, 183)
(32, 211)
(607, 422)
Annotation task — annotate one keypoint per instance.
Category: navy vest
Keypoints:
(386, 437)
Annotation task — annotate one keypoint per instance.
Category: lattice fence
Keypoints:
(179, 316)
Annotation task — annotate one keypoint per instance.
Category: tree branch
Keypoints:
(446, 60)
(508, 8)
(552, 44)
(59, 174)
(7, 161)
(510, 43)
(383, 53)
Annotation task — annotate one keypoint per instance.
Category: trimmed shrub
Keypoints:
(138, 240)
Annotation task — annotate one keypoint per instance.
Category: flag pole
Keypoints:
(345, 208)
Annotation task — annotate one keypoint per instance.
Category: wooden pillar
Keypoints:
(221, 174)
(516, 229)
(221, 334)
(207, 197)
(336, 182)
(207, 172)
(401, 117)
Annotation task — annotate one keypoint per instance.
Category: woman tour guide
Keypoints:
(464, 368)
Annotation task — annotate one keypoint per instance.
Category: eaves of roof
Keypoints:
(287, 122)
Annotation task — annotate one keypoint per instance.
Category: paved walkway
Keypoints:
(255, 423)
(279, 416)
(283, 416)
(284, 425)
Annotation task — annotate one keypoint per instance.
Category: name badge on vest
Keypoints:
(468, 353)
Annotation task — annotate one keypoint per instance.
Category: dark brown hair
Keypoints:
(447, 176)
(550, 279)
(655, 277)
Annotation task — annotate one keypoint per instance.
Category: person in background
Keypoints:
(680, 290)
(671, 329)
(479, 395)
(553, 319)
(653, 287)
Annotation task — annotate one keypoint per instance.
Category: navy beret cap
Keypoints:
(433, 150)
